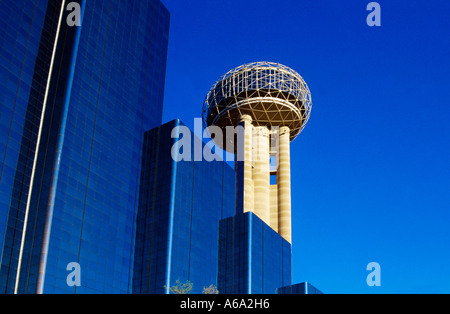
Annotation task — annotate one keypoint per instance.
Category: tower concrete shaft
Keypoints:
(246, 172)
(270, 202)
(284, 184)
(261, 172)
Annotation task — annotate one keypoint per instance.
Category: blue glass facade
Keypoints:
(180, 206)
(105, 90)
(22, 96)
(301, 288)
(91, 186)
(253, 258)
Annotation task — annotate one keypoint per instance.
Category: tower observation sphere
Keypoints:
(271, 103)
(272, 94)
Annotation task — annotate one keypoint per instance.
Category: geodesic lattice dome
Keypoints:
(271, 93)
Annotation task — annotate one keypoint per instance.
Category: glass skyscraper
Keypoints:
(254, 259)
(75, 102)
(180, 206)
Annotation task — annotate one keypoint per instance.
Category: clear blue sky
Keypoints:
(371, 171)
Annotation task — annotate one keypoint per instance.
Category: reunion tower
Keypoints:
(272, 104)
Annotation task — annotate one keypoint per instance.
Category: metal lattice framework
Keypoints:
(271, 93)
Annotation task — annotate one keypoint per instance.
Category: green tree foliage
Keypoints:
(212, 289)
(181, 288)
